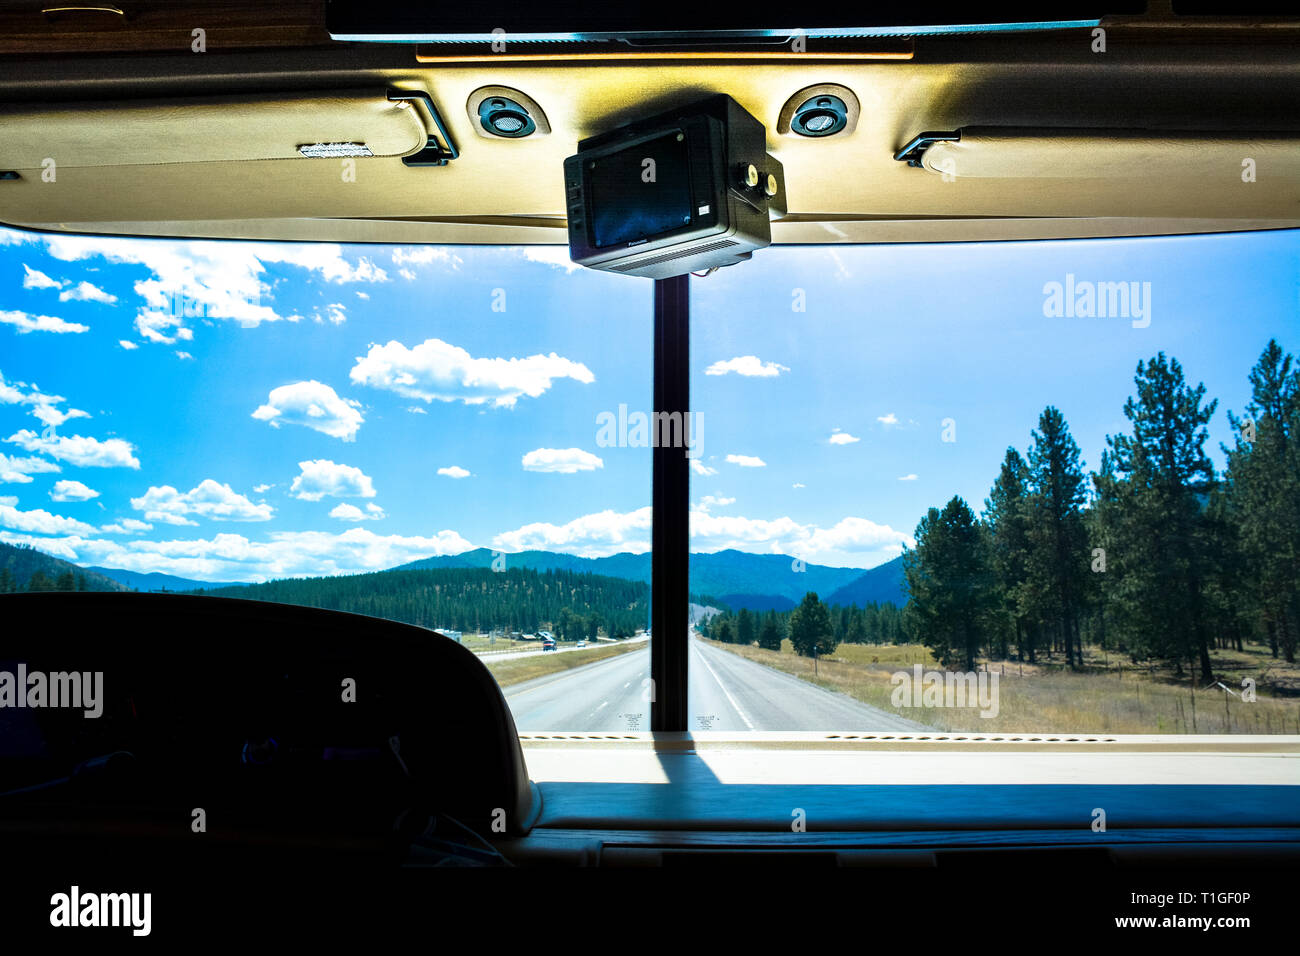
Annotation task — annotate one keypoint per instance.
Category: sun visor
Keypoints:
(1006, 153)
(293, 126)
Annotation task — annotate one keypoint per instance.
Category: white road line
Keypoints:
(603, 703)
(627, 685)
(731, 700)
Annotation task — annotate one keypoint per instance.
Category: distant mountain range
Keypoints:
(157, 581)
(760, 582)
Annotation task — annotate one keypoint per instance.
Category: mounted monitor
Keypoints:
(689, 189)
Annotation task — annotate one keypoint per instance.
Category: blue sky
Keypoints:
(243, 411)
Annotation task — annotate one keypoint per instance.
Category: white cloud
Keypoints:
(259, 489)
(183, 355)
(852, 535)
(335, 313)
(423, 255)
(315, 405)
(406, 274)
(209, 499)
(215, 279)
(454, 471)
(321, 477)
(85, 292)
(747, 461)
(842, 438)
(127, 344)
(594, 535)
(435, 369)
(39, 323)
(38, 521)
(890, 419)
(363, 295)
(747, 365)
(35, 279)
(557, 256)
(565, 461)
(78, 450)
(416, 410)
(348, 512)
(712, 501)
(798, 484)
(700, 468)
(127, 526)
(907, 477)
(232, 557)
(18, 471)
(66, 490)
(49, 415)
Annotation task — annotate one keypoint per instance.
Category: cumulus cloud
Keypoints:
(209, 499)
(35, 279)
(890, 419)
(854, 539)
(438, 370)
(19, 471)
(66, 490)
(38, 521)
(700, 468)
(842, 438)
(349, 512)
(232, 557)
(712, 501)
(321, 477)
(313, 404)
(423, 255)
(454, 471)
(85, 292)
(907, 477)
(24, 322)
(127, 526)
(748, 365)
(127, 344)
(224, 280)
(78, 450)
(866, 540)
(565, 461)
(594, 535)
(747, 461)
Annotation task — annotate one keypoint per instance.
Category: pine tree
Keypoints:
(1262, 496)
(810, 627)
(1056, 557)
(1165, 480)
(770, 635)
(745, 627)
(1007, 514)
(949, 582)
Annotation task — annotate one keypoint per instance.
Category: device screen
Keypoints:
(640, 192)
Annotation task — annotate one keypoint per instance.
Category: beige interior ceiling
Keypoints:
(1147, 138)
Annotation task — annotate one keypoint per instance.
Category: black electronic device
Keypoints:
(688, 189)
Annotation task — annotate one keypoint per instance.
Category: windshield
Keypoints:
(1047, 487)
(1042, 487)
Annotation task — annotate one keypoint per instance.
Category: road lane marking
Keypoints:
(603, 703)
(731, 700)
(627, 685)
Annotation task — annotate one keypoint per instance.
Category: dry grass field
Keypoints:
(1108, 696)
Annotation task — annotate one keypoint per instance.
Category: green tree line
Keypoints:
(573, 604)
(1152, 555)
(811, 624)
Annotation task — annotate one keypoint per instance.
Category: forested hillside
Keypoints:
(27, 569)
(572, 604)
